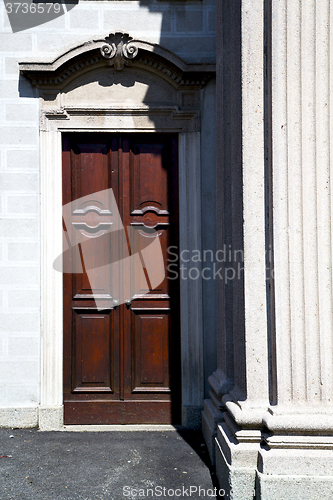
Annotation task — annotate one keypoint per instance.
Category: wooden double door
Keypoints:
(121, 360)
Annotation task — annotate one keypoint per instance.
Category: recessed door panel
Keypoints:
(149, 178)
(151, 351)
(92, 351)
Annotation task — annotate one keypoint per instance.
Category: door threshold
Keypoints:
(123, 428)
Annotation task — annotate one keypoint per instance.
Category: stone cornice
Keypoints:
(116, 51)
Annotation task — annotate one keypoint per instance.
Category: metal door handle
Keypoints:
(128, 303)
(115, 303)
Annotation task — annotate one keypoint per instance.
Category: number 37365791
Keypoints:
(32, 8)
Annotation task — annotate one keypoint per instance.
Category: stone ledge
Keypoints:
(19, 417)
(305, 487)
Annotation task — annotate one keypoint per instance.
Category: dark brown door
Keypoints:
(121, 362)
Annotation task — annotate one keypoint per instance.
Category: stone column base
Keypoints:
(295, 467)
(252, 464)
(51, 418)
(282, 487)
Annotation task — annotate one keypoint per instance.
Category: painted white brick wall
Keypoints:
(186, 28)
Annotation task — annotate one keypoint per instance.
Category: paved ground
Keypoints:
(100, 465)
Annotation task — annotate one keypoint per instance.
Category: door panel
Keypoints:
(149, 180)
(90, 173)
(93, 345)
(121, 363)
(150, 358)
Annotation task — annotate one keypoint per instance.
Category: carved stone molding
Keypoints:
(168, 119)
(117, 50)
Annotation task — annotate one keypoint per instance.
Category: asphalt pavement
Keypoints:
(112, 465)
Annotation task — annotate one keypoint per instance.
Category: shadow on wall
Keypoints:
(230, 296)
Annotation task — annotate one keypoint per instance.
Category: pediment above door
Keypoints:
(140, 81)
(116, 52)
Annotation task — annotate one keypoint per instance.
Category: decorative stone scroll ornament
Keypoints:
(119, 51)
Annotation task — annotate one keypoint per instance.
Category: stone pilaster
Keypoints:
(296, 459)
(270, 411)
(302, 203)
(240, 386)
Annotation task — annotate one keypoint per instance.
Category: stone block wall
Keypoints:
(20, 234)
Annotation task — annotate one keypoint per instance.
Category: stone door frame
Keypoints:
(60, 113)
